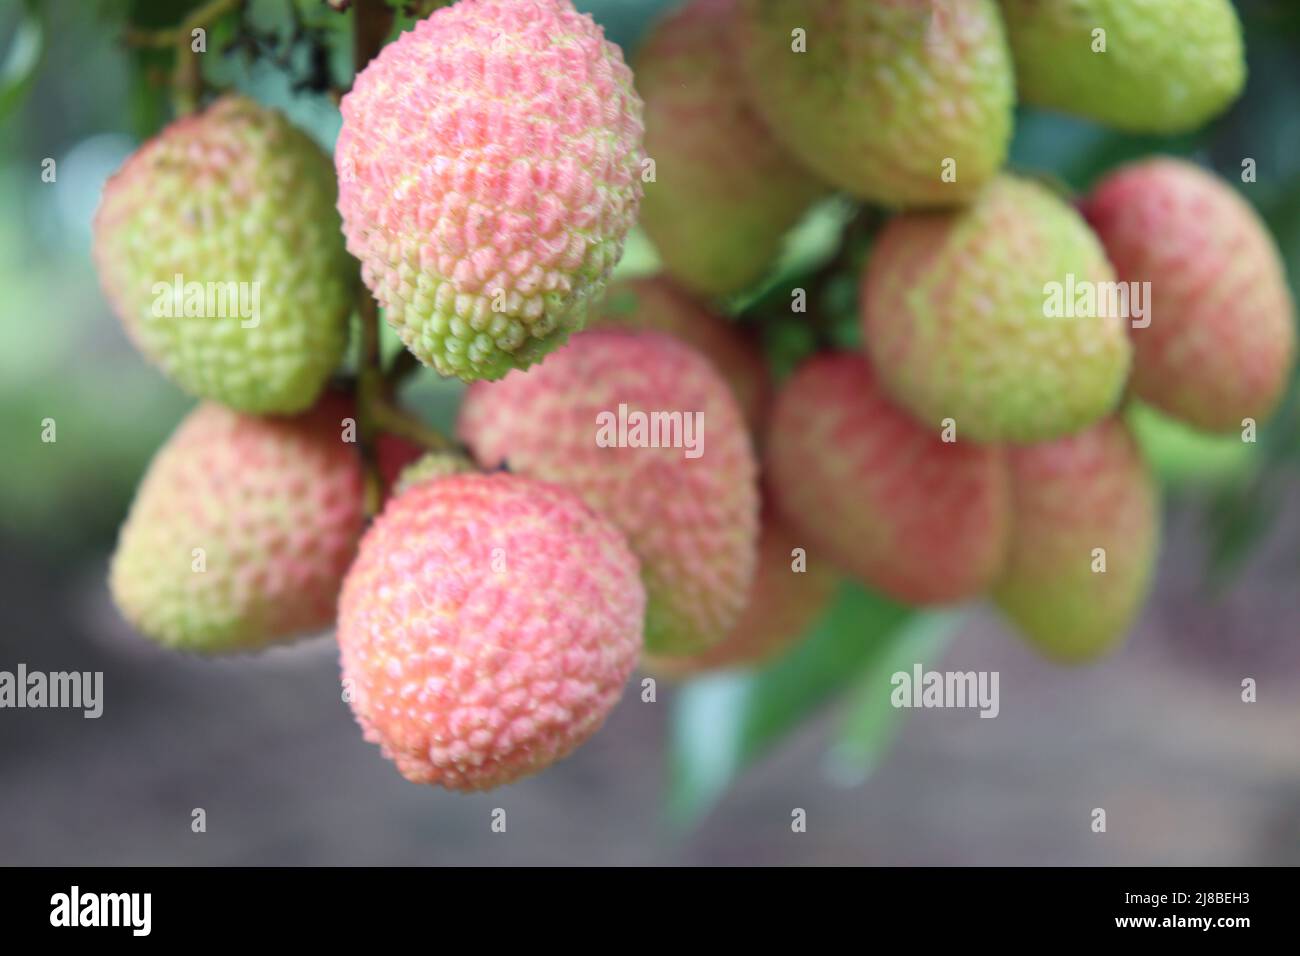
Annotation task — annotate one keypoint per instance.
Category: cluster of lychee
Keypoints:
(490, 164)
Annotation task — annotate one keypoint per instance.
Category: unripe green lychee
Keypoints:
(956, 317)
(918, 518)
(789, 591)
(489, 169)
(659, 305)
(1151, 66)
(648, 434)
(433, 465)
(487, 628)
(243, 527)
(903, 102)
(1221, 340)
(218, 245)
(724, 192)
(1084, 536)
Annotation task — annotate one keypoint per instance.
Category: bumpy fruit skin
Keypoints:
(1168, 66)
(232, 195)
(953, 317)
(487, 628)
(657, 304)
(489, 168)
(725, 192)
(884, 93)
(1221, 342)
(692, 521)
(275, 504)
(783, 604)
(1069, 497)
(922, 520)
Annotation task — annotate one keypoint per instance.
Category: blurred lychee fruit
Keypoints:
(903, 102)
(724, 191)
(1159, 66)
(1221, 340)
(920, 519)
(648, 434)
(487, 628)
(243, 527)
(489, 168)
(960, 322)
(1084, 536)
(218, 245)
(789, 592)
(659, 305)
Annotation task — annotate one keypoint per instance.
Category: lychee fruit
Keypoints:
(243, 527)
(1221, 340)
(218, 246)
(489, 168)
(1159, 66)
(645, 430)
(918, 518)
(1083, 541)
(724, 192)
(901, 102)
(789, 592)
(961, 323)
(487, 628)
(431, 466)
(659, 305)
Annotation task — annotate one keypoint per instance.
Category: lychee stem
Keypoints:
(187, 77)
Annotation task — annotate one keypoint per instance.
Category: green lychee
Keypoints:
(218, 245)
(959, 318)
(1084, 536)
(905, 102)
(1147, 66)
(724, 191)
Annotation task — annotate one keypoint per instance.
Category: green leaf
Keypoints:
(872, 722)
(721, 724)
(19, 60)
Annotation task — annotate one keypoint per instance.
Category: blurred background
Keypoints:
(711, 771)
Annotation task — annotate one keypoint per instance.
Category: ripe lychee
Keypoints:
(958, 317)
(489, 168)
(790, 590)
(659, 305)
(1083, 541)
(1221, 340)
(218, 245)
(487, 628)
(648, 434)
(902, 102)
(724, 192)
(920, 519)
(1159, 66)
(243, 527)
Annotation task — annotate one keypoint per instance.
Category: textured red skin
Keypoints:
(922, 520)
(1069, 496)
(692, 522)
(489, 169)
(487, 628)
(276, 505)
(783, 604)
(660, 305)
(1221, 341)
